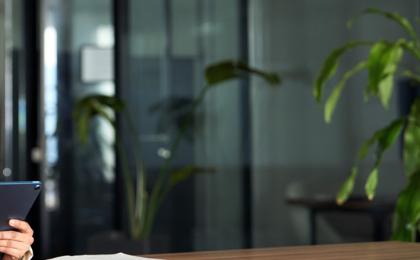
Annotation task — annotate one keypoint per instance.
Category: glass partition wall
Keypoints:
(6, 91)
(18, 81)
(78, 177)
(163, 49)
(169, 44)
(295, 154)
(12, 92)
(256, 147)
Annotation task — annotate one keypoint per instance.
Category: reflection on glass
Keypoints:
(50, 95)
(79, 177)
(170, 42)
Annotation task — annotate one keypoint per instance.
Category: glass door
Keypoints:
(164, 47)
(78, 176)
(167, 45)
(12, 95)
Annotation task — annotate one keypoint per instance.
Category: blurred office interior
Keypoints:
(265, 144)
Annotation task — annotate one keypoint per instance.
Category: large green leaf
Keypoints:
(407, 211)
(364, 149)
(386, 84)
(112, 102)
(375, 65)
(395, 17)
(336, 93)
(271, 78)
(372, 183)
(389, 135)
(91, 106)
(82, 118)
(347, 187)
(183, 174)
(384, 139)
(383, 62)
(330, 65)
(412, 140)
(227, 70)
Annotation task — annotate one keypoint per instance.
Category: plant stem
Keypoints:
(128, 186)
(162, 185)
(141, 193)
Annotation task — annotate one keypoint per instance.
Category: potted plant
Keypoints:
(143, 204)
(382, 64)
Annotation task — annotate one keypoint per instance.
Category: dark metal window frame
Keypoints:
(31, 60)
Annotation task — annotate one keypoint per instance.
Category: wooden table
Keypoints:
(366, 251)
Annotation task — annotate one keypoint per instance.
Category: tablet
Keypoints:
(16, 199)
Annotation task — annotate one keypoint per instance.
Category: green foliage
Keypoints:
(347, 187)
(184, 173)
(403, 22)
(336, 93)
(383, 61)
(382, 65)
(175, 113)
(371, 183)
(383, 139)
(412, 140)
(407, 211)
(91, 106)
(330, 65)
(229, 69)
(143, 204)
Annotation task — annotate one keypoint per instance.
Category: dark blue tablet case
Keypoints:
(16, 199)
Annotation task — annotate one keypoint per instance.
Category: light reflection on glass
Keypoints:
(50, 112)
(50, 95)
(105, 36)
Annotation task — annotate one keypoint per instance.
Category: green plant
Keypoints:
(143, 204)
(383, 64)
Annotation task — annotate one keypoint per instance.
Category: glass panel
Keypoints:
(295, 154)
(3, 63)
(6, 110)
(170, 44)
(12, 92)
(78, 177)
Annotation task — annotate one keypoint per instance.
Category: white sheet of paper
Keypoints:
(119, 256)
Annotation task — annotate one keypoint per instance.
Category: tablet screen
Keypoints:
(16, 199)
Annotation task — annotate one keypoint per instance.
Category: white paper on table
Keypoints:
(119, 256)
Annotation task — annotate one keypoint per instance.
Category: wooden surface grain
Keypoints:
(376, 250)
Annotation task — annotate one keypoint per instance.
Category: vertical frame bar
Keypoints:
(31, 65)
(246, 134)
(121, 47)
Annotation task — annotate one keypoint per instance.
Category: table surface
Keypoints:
(375, 250)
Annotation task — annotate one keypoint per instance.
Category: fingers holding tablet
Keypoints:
(16, 244)
(22, 226)
(16, 235)
(24, 234)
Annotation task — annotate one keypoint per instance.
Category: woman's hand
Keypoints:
(15, 244)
